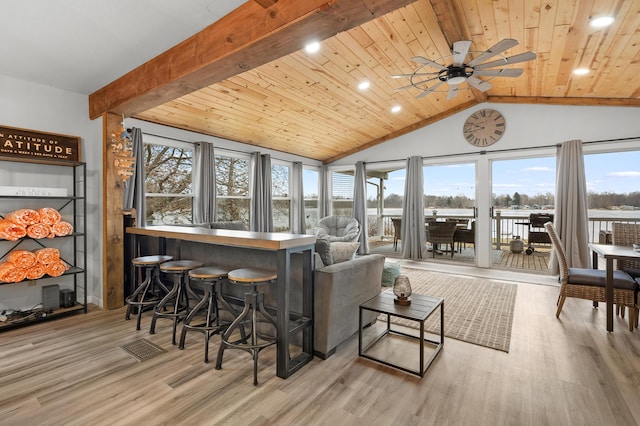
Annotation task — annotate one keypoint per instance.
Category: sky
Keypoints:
(612, 172)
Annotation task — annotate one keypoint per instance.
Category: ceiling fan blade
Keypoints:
(460, 50)
(414, 74)
(522, 57)
(481, 85)
(504, 72)
(425, 61)
(453, 91)
(494, 50)
(416, 84)
(429, 90)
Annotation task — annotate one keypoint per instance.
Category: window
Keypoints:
(342, 193)
(281, 196)
(613, 183)
(310, 182)
(232, 186)
(168, 185)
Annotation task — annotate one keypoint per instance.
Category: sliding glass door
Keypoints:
(523, 192)
(449, 194)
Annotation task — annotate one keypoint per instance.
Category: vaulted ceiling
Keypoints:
(257, 85)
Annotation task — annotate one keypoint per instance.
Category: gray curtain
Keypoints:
(261, 209)
(360, 205)
(413, 238)
(134, 187)
(204, 184)
(298, 225)
(571, 207)
(324, 205)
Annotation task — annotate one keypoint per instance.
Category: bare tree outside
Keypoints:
(232, 186)
(281, 197)
(169, 190)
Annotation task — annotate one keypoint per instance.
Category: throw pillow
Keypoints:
(323, 248)
(343, 251)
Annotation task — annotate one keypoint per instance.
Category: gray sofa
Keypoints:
(339, 289)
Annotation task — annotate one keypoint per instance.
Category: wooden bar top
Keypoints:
(227, 237)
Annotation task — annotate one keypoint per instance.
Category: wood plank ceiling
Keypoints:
(310, 104)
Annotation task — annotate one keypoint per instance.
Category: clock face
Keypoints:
(484, 127)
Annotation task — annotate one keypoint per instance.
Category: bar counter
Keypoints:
(282, 246)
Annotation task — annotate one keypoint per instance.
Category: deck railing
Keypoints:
(505, 227)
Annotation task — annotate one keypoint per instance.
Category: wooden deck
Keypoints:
(537, 262)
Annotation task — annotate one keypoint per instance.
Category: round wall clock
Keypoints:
(484, 127)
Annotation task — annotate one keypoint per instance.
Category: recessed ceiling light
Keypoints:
(364, 85)
(581, 71)
(312, 47)
(396, 109)
(601, 21)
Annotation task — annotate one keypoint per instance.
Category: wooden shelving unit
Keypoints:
(73, 248)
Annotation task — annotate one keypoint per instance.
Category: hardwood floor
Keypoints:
(570, 371)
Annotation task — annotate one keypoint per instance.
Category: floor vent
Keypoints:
(142, 349)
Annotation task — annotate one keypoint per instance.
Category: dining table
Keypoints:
(610, 253)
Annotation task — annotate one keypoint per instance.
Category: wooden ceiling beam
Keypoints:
(266, 3)
(448, 21)
(244, 39)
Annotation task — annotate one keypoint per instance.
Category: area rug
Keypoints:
(476, 310)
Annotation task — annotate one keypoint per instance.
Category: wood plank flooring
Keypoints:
(570, 371)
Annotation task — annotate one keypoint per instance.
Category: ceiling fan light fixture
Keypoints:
(432, 74)
(601, 21)
(456, 80)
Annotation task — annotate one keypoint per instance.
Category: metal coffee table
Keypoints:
(421, 308)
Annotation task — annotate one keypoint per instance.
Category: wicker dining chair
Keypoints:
(589, 284)
(626, 234)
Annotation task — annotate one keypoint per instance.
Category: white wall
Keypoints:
(41, 108)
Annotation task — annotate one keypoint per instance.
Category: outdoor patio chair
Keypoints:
(589, 284)
(440, 233)
(464, 236)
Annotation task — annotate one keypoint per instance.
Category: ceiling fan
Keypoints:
(460, 71)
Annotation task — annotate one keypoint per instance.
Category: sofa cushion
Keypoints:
(389, 274)
(343, 251)
(323, 248)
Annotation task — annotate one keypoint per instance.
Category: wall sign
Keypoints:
(35, 145)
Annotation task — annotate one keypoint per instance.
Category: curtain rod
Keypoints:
(224, 149)
(507, 150)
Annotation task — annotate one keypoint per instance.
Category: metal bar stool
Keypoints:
(177, 296)
(147, 294)
(253, 303)
(209, 279)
